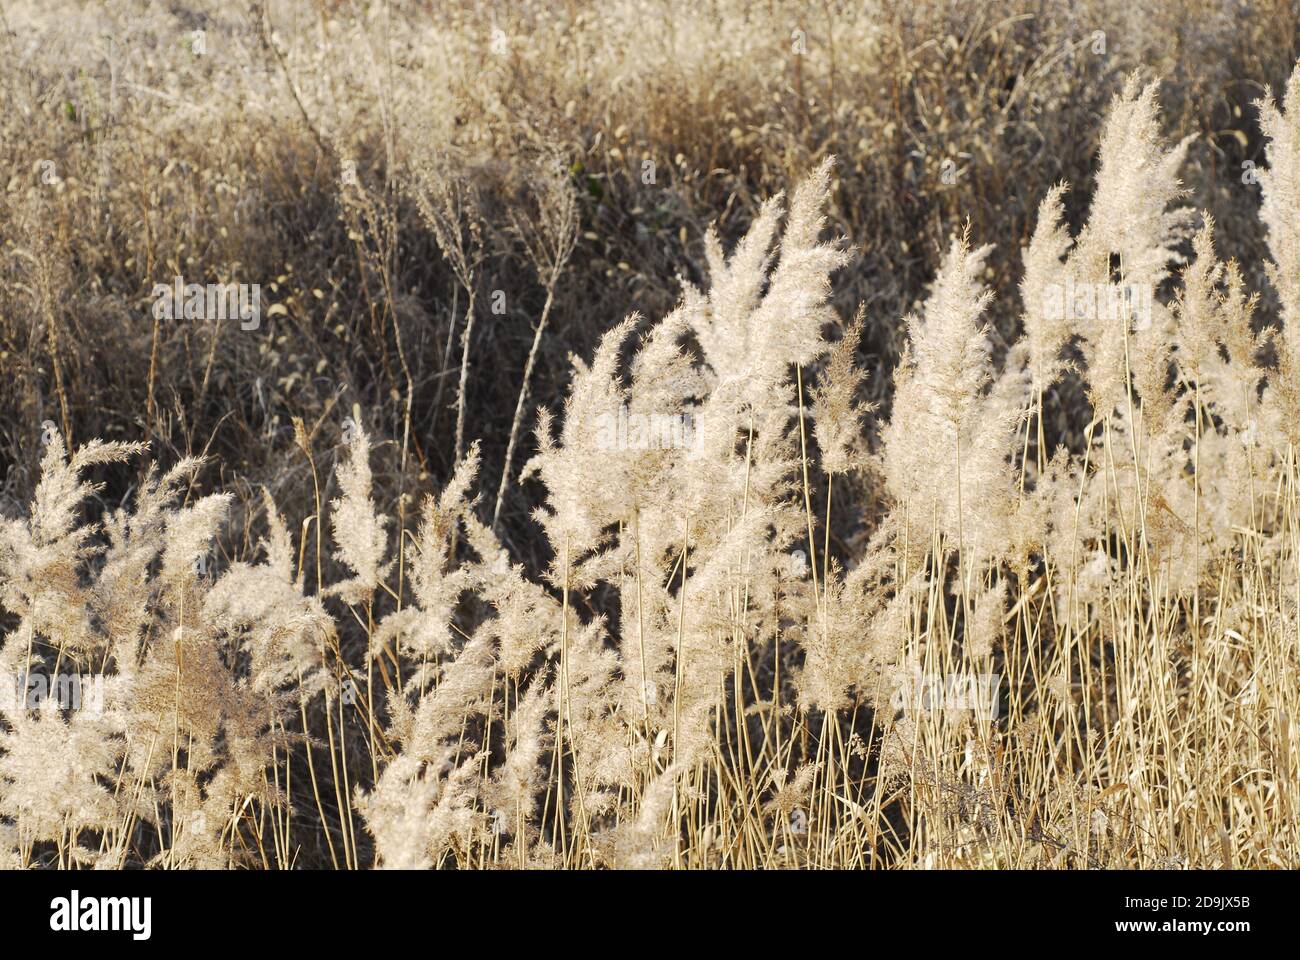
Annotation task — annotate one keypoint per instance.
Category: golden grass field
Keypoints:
(650, 434)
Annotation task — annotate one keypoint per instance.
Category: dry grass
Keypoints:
(1005, 572)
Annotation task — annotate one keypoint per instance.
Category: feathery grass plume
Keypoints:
(888, 633)
(1216, 346)
(1136, 183)
(1042, 290)
(182, 691)
(735, 290)
(40, 707)
(464, 689)
(940, 462)
(666, 420)
(753, 335)
(701, 630)
(1181, 461)
(836, 414)
(993, 448)
(528, 619)
(680, 642)
(423, 631)
(1199, 331)
(1045, 521)
(514, 788)
(640, 844)
(188, 536)
(11, 858)
(986, 630)
(358, 528)
(664, 376)
(1130, 239)
(41, 557)
(1150, 363)
(201, 824)
(278, 544)
(1280, 211)
(264, 612)
(125, 591)
(592, 731)
(454, 818)
(790, 792)
(789, 319)
(54, 773)
(577, 511)
(397, 812)
(1280, 187)
(948, 361)
(61, 490)
(835, 646)
(171, 691)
